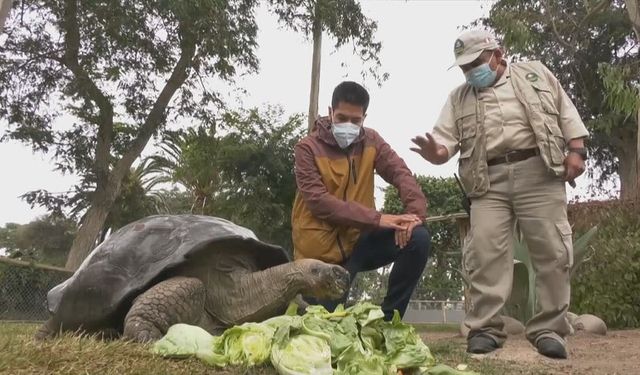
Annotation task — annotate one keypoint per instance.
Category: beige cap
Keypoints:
(471, 44)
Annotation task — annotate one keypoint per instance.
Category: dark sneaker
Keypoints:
(551, 348)
(481, 344)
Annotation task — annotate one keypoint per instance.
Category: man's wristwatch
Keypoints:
(582, 151)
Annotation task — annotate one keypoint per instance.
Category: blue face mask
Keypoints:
(345, 133)
(481, 76)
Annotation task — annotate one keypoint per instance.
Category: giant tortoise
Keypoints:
(168, 269)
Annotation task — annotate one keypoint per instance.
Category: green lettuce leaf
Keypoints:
(339, 333)
(403, 346)
(183, 340)
(248, 344)
(301, 355)
(355, 341)
(356, 360)
(366, 313)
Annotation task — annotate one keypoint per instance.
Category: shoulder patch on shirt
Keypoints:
(531, 77)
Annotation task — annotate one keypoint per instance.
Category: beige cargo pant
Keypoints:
(528, 192)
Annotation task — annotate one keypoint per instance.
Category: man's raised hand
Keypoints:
(430, 149)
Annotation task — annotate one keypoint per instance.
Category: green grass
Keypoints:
(20, 354)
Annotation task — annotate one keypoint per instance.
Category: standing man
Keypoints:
(334, 217)
(520, 138)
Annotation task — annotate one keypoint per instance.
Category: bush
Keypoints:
(606, 285)
(441, 280)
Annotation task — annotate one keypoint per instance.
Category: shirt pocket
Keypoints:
(550, 114)
(547, 100)
(556, 143)
(466, 125)
(565, 232)
(548, 105)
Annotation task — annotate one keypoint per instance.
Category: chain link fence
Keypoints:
(24, 287)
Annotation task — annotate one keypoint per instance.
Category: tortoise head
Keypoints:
(324, 280)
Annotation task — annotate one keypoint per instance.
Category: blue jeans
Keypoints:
(377, 249)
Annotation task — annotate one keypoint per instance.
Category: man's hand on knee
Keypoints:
(403, 224)
(404, 235)
(397, 221)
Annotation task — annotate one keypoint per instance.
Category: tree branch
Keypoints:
(89, 90)
(633, 8)
(157, 113)
(596, 9)
(554, 28)
(560, 39)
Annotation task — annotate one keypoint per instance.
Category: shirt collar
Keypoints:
(506, 75)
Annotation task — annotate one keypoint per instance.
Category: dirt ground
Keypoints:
(618, 353)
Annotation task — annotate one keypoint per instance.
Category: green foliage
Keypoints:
(114, 66)
(441, 280)
(173, 201)
(607, 284)
(590, 46)
(523, 301)
(443, 196)
(341, 19)
(622, 96)
(104, 61)
(606, 269)
(136, 200)
(256, 163)
(243, 173)
(8, 237)
(189, 158)
(121, 71)
(44, 240)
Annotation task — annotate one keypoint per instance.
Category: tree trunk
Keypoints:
(627, 168)
(315, 72)
(5, 6)
(633, 7)
(92, 223)
(637, 188)
(109, 183)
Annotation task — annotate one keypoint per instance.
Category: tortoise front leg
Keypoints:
(48, 329)
(172, 301)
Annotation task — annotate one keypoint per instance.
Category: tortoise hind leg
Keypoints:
(172, 301)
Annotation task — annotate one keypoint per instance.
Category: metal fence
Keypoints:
(24, 287)
(435, 312)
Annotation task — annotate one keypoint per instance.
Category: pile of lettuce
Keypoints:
(345, 342)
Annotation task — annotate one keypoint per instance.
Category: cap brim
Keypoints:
(466, 58)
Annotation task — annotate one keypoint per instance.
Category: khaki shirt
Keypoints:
(506, 124)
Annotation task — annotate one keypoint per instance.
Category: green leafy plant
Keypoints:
(607, 285)
(522, 302)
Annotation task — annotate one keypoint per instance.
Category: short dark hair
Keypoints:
(352, 93)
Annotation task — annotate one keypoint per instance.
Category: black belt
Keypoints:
(512, 156)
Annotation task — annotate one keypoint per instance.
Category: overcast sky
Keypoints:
(417, 39)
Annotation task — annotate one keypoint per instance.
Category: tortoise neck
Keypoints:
(255, 296)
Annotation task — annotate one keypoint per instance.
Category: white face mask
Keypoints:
(345, 133)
